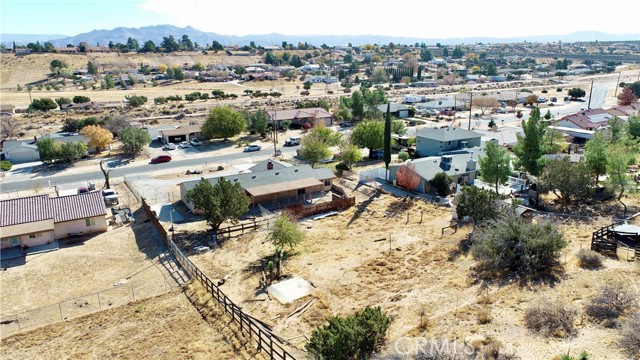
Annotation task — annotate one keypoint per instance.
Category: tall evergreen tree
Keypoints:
(387, 140)
(529, 147)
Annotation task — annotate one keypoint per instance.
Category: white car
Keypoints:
(170, 146)
(252, 147)
(184, 144)
(195, 142)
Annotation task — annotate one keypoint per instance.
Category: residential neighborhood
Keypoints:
(259, 197)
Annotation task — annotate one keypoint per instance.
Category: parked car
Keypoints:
(432, 112)
(195, 142)
(501, 110)
(109, 192)
(346, 123)
(376, 154)
(292, 141)
(161, 159)
(184, 144)
(170, 146)
(83, 190)
(252, 147)
(110, 197)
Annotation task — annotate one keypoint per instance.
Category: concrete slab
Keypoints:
(167, 213)
(290, 290)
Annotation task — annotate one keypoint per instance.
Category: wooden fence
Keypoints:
(241, 228)
(257, 330)
(300, 210)
(603, 241)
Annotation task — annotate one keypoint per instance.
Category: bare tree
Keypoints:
(117, 124)
(450, 79)
(485, 103)
(9, 126)
(407, 177)
(106, 175)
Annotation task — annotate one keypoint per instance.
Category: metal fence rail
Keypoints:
(254, 328)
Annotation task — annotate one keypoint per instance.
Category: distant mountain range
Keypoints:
(157, 32)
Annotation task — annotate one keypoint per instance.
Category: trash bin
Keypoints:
(91, 185)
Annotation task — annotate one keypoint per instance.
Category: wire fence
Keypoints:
(119, 295)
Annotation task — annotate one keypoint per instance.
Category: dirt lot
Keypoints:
(423, 270)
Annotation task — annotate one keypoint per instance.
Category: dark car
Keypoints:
(83, 190)
(161, 159)
(376, 154)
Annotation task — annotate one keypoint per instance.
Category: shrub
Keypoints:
(441, 182)
(589, 259)
(511, 245)
(351, 337)
(484, 316)
(551, 319)
(559, 89)
(403, 156)
(631, 336)
(341, 166)
(545, 91)
(614, 300)
(5, 165)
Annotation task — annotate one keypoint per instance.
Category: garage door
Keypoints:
(175, 139)
(23, 157)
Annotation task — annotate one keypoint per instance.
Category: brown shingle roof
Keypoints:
(24, 210)
(295, 114)
(79, 206)
(60, 209)
(182, 130)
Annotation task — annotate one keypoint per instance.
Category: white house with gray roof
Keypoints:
(431, 142)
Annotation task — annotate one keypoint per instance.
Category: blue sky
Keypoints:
(418, 18)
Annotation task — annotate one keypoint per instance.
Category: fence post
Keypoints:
(99, 303)
(60, 307)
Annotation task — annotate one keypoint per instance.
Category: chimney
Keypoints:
(445, 162)
(270, 165)
(471, 165)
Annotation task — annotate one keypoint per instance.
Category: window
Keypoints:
(35, 235)
(327, 183)
(449, 143)
(301, 191)
(441, 144)
(90, 222)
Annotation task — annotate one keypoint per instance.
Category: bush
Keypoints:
(545, 91)
(484, 316)
(551, 319)
(341, 166)
(614, 300)
(631, 336)
(5, 165)
(351, 337)
(589, 259)
(441, 182)
(403, 156)
(559, 89)
(511, 245)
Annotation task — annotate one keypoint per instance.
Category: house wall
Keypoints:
(61, 230)
(569, 124)
(23, 155)
(41, 238)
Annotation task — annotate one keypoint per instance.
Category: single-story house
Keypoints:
(301, 116)
(432, 142)
(586, 120)
(67, 137)
(19, 151)
(273, 185)
(80, 106)
(503, 135)
(181, 133)
(623, 111)
(319, 79)
(400, 111)
(462, 168)
(40, 219)
(7, 109)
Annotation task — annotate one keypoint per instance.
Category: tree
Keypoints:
(548, 115)
(492, 70)
(72, 151)
(224, 201)
(531, 99)
(511, 245)
(477, 203)
(223, 122)
(398, 127)
(79, 99)
(627, 97)
(314, 150)
(553, 141)
(387, 140)
(352, 337)
(380, 76)
(5, 165)
(258, 122)
(186, 42)
(618, 159)
(9, 126)
(43, 104)
(117, 125)
(635, 88)
(350, 154)
(109, 83)
(136, 100)
(529, 147)
(426, 55)
(495, 166)
(56, 66)
(577, 93)
(48, 150)
(633, 126)
(216, 46)
(169, 44)
(357, 105)
(134, 140)
(295, 61)
(457, 53)
(285, 232)
(441, 182)
(485, 103)
(98, 137)
(148, 46)
(92, 68)
(568, 181)
(62, 101)
(369, 134)
(407, 177)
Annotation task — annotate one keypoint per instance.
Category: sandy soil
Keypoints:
(423, 270)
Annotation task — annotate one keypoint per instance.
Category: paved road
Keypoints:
(8, 185)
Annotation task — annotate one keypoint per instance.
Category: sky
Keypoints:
(412, 18)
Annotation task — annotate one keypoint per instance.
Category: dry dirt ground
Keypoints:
(419, 271)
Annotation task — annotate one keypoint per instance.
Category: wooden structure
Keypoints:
(336, 203)
(606, 240)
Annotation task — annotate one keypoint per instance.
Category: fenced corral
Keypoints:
(254, 328)
(336, 203)
(155, 191)
(607, 239)
(239, 229)
(83, 305)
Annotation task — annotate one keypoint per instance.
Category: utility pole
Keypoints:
(275, 133)
(617, 84)
(470, 107)
(590, 92)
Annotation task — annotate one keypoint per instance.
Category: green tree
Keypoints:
(369, 134)
(223, 122)
(224, 201)
(307, 85)
(357, 105)
(569, 182)
(529, 147)
(285, 232)
(352, 337)
(492, 70)
(216, 46)
(169, 44)
(72, 151)
(387, 141)
(577, 93)
(136, 100)
(553, 141)
(495, 166)
(79, 99)
(5, 165)
(109, 82)
(426, 55)
(547, 115)
(43, 104)
(477, 203)
(62, 101)
(258, 122)
(633, 126)
(92, 68)
(441, 182)
(618, 159)
(350, 154)
(56, 66)
(635, 88)
(314, 150)
(595, 154)
(134, 139)
(148, 46)
(398, 127)
(380, 76)
(511, 245)
(48, 149)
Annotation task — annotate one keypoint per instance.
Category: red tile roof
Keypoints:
(42, 207)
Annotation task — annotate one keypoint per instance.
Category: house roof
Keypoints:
(447, 134)
(182, 130)
(66, 137)
(24, 210)
(59, 209)
(12, 145)
(506, 135)
(270, 177)
(393, 107)
(295, 114)
(621, 110)
(283, 186)
(428, 167)
(262, 165)
(79, 206)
